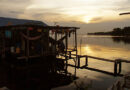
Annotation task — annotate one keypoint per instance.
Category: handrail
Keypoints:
(102, 59)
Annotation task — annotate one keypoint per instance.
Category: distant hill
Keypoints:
(13, 21)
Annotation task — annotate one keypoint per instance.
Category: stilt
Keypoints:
(86, 62)
(78, 61)
(120, 66)
(66, 40)
(115, 68)
(69, 54)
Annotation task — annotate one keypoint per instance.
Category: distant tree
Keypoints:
(126, 30)
(117, 31)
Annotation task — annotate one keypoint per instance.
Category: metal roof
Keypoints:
(39, 26)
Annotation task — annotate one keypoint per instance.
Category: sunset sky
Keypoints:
(89, 15)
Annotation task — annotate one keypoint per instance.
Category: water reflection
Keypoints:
(105, 47)
(105, 52)
(105, 41)
(100, 46)
(125, 40)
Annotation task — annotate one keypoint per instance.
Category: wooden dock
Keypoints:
(117, 64)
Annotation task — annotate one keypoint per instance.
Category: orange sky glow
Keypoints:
(86, 14)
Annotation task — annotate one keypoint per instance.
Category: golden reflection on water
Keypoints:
(104, 52)
(103, 48)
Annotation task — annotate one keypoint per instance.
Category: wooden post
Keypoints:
(23, 45)
(27, 60)
(27, 45)
(66, 40)
(120, 67)
(55, 53)
(47, 40)
(69, 54)
(3, 47)
(86, 62)
(3, 52)
(56, 41)
(78, 61)
(75, 67)
(117, 64)
(76, 50)
(42, 42)
(76, 41)
(115, 68)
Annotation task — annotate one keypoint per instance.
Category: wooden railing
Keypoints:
(117, 64)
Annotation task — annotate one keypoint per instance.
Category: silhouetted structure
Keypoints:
(29, 56)
(124, 13)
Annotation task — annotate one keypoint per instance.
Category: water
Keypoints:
(104, 46)
(100, 46)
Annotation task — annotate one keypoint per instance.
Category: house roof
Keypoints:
(13, 21)
(7, 23)
(39, 26)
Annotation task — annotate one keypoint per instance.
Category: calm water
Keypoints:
(100, 46)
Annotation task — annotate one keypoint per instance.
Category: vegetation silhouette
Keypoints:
(122, 35)
(115, 32)
(125, 40)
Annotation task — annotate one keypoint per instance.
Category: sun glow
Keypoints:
(86, 19)
(87, 49)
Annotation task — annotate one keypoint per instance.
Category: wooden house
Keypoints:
(31, 49)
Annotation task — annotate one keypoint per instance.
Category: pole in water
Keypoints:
(86, 63)
(78, 61)
(80, 46)
(115, 68)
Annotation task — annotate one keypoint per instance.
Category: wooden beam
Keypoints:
(66, 42)
(97, 58)
(40, 26)
(124, 13)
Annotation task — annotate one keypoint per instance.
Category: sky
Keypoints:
(89, 15)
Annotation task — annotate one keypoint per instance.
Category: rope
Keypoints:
(31, 38)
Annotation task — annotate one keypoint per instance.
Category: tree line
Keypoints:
(116, 32)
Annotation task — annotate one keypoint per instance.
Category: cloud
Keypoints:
(15, 12)
(53, 9)
(12, 8)
(101, 13)
(15, 1)
(124, 5)
(96, 19)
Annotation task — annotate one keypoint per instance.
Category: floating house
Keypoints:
(29, 53)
